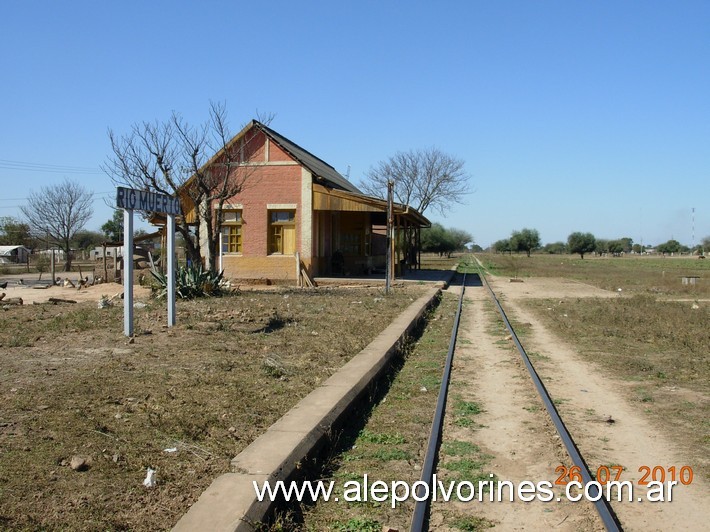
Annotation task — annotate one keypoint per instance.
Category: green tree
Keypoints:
(615, 246)
(581, 243)
(438, 239)
(672, 246)
(85, 239)
(555, 248)
(502, 246)
(460, 238)
(527, 240)
(15, 233)
(601, 246)
(627, 244)
(433, 238)
(113, 228)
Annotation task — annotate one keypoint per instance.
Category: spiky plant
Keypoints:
(190, 282)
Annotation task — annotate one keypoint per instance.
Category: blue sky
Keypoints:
(570, 115)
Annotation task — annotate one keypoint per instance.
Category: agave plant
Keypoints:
(190, 282)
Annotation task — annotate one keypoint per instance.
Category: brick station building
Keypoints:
(292, 202)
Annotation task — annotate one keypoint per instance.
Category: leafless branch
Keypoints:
(171, 158)
(58, 212)
(422, 179)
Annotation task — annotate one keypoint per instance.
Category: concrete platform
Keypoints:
(415, 276)
(230, 502)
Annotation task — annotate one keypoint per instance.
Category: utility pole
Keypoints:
(390, 241)
(692, 244)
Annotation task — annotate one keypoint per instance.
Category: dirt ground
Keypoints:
(31, 295)
(517, 435)
(85, 411)
(387, 442)
(511, 435)
(518, 439)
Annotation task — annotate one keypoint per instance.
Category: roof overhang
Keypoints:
(328, 199)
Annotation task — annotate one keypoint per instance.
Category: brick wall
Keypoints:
(271, 184)
(273, 267)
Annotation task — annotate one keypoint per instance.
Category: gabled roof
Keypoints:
(321, 170)
(324, 175)
(317, 167)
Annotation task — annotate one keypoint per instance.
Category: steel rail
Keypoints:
(421, 506)
(611, 521)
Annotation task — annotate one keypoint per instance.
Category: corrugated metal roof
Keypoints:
(317, 167)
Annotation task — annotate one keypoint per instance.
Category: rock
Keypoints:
(80, 463)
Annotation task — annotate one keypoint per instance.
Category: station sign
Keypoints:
(131, 200)
(143, 200)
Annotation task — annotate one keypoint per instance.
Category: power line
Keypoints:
(7, 164)
(105, 194)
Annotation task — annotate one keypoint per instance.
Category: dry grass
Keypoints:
(432, 261)
(655, 341)
(660, 348)
(392, 444)
(657, 276)
(73, 386)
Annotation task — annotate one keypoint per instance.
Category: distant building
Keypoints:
(111, 251)
(14, 254)
(58, 253)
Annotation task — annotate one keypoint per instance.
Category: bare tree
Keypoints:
(57, 213)
(171, 157)
(422, 178)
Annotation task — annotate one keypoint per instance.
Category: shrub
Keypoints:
(190, 282)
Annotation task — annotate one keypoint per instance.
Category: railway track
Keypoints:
(422, 507)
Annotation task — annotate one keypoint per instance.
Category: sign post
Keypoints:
(129, 200)
(128, 272)
(389, 264)
(171, 269)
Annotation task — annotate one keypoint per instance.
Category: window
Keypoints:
(232, 231)
(282, 232)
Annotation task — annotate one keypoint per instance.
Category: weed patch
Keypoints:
(395, 436)
(658, 346)
(73, 385)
